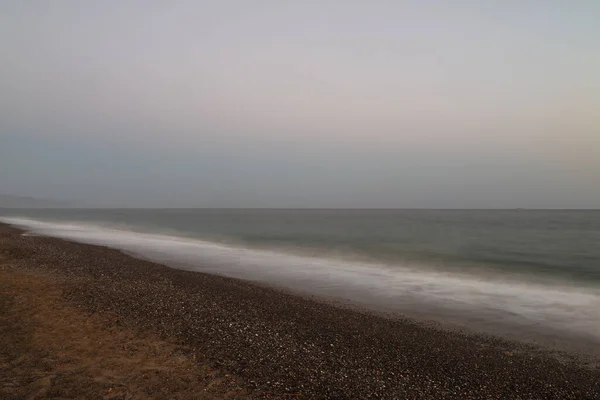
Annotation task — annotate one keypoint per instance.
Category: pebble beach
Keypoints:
(287, 346)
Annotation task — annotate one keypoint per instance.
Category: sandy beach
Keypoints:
(82, 321)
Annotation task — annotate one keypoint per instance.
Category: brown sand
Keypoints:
(84, 319)
(51, 349)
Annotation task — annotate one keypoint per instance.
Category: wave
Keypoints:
(523, 309)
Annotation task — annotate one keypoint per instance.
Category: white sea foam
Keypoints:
(525, 309)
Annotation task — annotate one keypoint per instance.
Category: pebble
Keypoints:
(285, 345)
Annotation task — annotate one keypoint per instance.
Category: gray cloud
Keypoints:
(328, 104)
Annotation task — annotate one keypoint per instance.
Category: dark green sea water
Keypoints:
(564, 244)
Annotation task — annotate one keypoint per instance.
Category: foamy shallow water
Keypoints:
(519, 309)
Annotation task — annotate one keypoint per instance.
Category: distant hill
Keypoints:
(9, 201)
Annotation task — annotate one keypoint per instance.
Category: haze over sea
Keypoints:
(526, 274)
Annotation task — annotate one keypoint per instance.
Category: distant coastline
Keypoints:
(12, 201)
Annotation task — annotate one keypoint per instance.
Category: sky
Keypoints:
(330, 103)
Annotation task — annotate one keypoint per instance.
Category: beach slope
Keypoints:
(87, 321)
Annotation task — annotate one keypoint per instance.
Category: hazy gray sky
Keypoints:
(302, 103)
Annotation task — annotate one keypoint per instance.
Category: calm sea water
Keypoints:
(523, 272)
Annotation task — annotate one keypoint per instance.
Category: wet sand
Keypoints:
(275, 344)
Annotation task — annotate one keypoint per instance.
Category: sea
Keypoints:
(531, 275)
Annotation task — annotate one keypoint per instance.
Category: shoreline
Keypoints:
(282, 343)
(475, 315)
